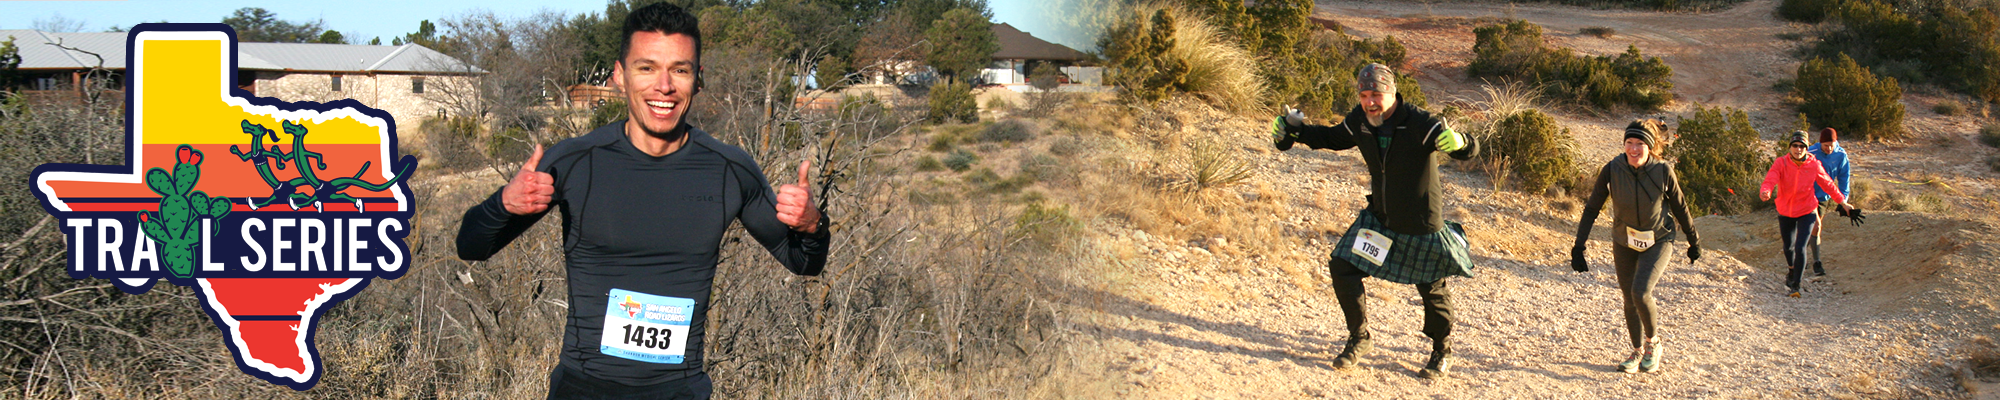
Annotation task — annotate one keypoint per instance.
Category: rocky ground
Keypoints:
(1247, 312)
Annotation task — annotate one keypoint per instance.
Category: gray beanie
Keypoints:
(1376, 77)
(1800, 138)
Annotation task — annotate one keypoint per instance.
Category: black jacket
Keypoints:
(1404, 180)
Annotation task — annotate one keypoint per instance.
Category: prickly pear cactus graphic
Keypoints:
(174, 227)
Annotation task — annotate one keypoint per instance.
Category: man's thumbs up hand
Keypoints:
(795, 206)
(530, 191)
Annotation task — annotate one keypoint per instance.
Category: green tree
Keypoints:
(961, 42)
(10, 64)
(255, 24)
(331, 37)
(1717, 153)
(1842, 94)
(1142, 67)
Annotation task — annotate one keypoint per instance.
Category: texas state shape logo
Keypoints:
(273, 212)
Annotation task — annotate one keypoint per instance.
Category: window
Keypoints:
(417, 85)
(336, 83)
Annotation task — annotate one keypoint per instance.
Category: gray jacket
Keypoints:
(1637, 197)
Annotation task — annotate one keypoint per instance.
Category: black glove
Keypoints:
(1576, 259)
(1694, 253)
(1854, 215)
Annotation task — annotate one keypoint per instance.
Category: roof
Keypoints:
(1018, 45)
(37, 52)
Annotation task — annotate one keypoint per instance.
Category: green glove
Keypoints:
(1285, 128)
(1280, 136)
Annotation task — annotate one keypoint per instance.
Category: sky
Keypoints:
(358, 20)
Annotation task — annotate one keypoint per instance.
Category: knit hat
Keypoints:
(1639, 130)
(1376, 77)
(1828, 135)
(1799, 137)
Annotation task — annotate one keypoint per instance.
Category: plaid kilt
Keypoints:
(1412, 259)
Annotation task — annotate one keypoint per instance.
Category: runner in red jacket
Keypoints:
(1790, 182)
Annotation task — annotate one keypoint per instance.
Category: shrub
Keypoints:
(1840, 93)
(1044, 168)
(1012, 130)
(1993, 162)
(1960, 42)
(511, 143)
(1949, 108)
(1807, 11)
(1066, 146)
(1542, 153)
(1158, 51)
(1043, 226)
(612, 111)
(960, 160)
(952, 103)
(452, 143)
(1515, 51)
(1209, 164)
(1598, 31)
(928, 163)
(1990, 135)
(1718, 152)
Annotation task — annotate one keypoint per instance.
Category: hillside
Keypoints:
(1227, 295)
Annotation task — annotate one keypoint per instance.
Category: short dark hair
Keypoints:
(664, 18)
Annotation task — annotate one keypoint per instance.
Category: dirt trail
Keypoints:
(1233, 317)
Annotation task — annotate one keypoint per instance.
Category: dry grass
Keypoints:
(1220, 73)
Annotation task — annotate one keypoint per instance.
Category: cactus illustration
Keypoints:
(174, 227)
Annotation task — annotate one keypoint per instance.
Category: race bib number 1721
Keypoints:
(644, 327)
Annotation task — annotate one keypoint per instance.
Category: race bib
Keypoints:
(1637, 239)
(1373, 246)
(644, 327)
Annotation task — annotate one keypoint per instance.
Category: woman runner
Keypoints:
(1640, 187)
(1790, 182)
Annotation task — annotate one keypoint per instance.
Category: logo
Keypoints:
(227, 194)
(632, 308)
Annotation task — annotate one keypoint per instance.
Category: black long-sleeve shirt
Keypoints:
(644, 224)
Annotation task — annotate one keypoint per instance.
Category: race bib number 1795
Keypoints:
(644, 327)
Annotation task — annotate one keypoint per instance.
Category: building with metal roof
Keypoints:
(1019, 51)
(403, 80)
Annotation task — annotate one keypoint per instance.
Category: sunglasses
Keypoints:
(1798, 146)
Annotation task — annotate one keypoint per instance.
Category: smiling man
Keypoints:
(645, 204)
(1402, 236)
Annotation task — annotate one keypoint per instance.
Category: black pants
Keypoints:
(1796, 232)
(570, 384)
(1348, 288)
(1637, 273)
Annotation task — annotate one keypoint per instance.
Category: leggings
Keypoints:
(1797, 233)
(1637, 273)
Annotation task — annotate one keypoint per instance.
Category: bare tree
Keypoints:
(58, 23)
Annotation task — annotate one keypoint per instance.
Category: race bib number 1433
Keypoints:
(644, 327)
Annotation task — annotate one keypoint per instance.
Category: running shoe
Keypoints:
(1817, 271)
(1652, 361)
(1631, 364)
